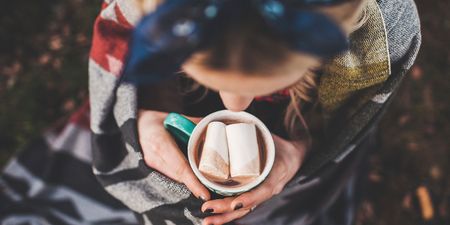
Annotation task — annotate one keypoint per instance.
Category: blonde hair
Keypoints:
(248, 53)
(305, 89)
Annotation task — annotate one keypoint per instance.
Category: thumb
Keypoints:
(193, 184)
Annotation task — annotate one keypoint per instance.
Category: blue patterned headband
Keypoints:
(165, 38)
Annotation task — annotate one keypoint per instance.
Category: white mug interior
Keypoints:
(244, 117)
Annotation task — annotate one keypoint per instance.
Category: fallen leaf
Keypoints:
(69, 105)
(55, 43)
(44, 59)
(426, 205)
(407, 201)
(375, 177)
(435, 172)
(403, 119)
(412, 146)
(416, 72)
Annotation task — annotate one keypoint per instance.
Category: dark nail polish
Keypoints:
(209, 210)
(238, 206)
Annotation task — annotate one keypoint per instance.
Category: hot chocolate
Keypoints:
(236, 178)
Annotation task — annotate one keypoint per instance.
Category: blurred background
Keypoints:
(44, 48)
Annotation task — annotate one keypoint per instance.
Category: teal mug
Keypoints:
(190, 133)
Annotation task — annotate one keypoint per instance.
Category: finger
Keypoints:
(185, 174)
(218, 205)
(189, 178)
(194, 185)
(225, 218)
(271, 186)
(252, 198)
(168, 159)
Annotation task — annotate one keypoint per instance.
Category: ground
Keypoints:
(44, 48)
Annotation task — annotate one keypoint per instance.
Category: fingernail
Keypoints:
(209, 210)
(202, 198)
(238, 206)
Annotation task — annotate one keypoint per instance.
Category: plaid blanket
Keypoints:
(92, 171)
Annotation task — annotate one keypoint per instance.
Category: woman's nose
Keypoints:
(235, 102)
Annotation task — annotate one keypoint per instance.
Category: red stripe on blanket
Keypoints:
(81, 117)
(110, 42)
(104, 5)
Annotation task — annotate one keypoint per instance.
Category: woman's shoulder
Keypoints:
(403, 30)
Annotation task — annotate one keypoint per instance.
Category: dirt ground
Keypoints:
(43, 78)
(414, 155)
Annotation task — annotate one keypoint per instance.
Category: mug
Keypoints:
(190, 134)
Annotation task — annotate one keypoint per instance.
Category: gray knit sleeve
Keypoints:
(403, 30)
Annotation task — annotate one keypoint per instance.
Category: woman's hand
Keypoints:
(288, 159)
(162, 153)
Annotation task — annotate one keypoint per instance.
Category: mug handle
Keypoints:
(179, 126)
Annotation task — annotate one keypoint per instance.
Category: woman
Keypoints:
(239, 57)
